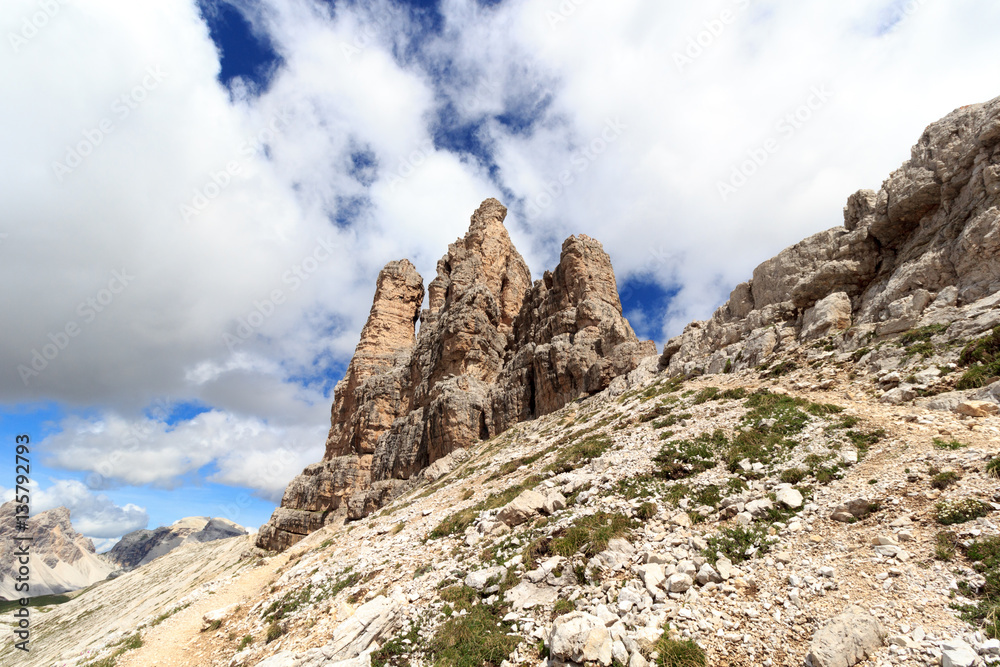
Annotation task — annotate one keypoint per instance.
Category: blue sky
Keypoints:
(198, 205)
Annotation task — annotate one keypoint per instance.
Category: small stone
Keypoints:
(679, 583)
(788, 496)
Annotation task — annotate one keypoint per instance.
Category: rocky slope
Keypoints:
(142, 546)
(103, 619)
(493, 350)
(62, 560)
(923, 251)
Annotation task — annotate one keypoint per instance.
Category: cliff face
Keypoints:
(921, 251)
(492, 350)
(62, 559)
(142, 546)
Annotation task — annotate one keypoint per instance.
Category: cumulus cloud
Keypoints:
(241, 452)
(92, 514)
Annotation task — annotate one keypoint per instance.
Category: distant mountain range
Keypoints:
(142, 546)
(63, 560)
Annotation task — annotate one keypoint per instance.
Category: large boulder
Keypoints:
(832, 313)
(373, 622)
(522, 509)
(845, 640)
(580, 638)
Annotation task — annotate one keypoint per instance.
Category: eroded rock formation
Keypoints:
(62, 559)
(492, 350)
(924, 249)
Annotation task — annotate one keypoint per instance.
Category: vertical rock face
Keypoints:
(386, 343)
(492, 350)
(926, 243)
(570, 339)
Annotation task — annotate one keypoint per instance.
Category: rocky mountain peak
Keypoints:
(143, 546)
(484, 257)
(492, 350)
(62, 559)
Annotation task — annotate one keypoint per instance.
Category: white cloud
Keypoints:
(244, 452)
(94, 515)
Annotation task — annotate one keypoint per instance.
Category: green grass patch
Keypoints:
(945, 544)
(863, 440)
(675, 492)
(943, 480)
(982, 359)
(678, 459)
(709, 495)
(985, 612)
(793, 475)
(859, 354)
(642, 486)
(738, 543)
(512, 466)
(781, 368)
(941, 443)
(562, 607)
(396, 652)
(40, 601)
(274, 631)
(579, 453)
(457, 522)
(993, 468)
(591, 534)
(679, 653)
(646, 511)
(128, 643)
(823, 409)
(478, 638)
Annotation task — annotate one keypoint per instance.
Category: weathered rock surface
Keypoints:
(580, 638)
(570, 339)
(142, 546)
(62, 560)
(846, 640)
(492, 350)
(922, 250)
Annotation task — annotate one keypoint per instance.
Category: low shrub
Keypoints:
(960, 511)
